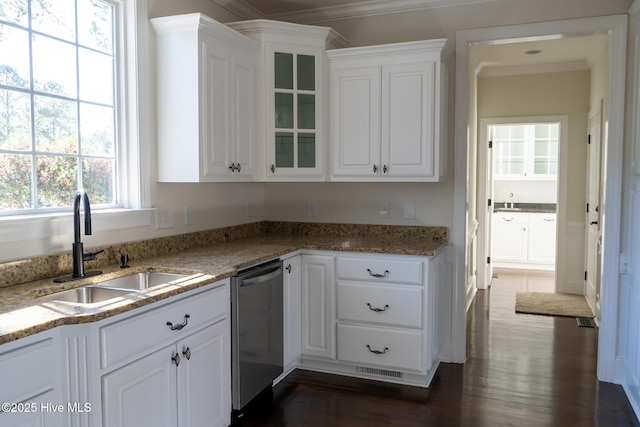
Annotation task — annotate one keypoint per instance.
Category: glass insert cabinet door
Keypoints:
(295, 106)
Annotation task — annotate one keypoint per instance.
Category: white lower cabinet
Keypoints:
(317, 283)
(32, 383)
(183, 380)
(185, 384)
(524, 240)
(291, 313)
(372, 316)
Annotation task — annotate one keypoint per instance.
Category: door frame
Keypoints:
(485, 233)
(616, 27)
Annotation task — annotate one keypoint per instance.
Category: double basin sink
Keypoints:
(106, 290)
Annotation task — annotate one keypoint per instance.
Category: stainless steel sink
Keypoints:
(141, 281)
(86, 295)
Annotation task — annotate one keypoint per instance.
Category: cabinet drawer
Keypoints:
(379, 270)
(138, 335)
(510, 217)
(385, 304)
(543, 218)
(392, 348)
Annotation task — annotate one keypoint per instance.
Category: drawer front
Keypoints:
(543, 218)
(392, 305)
(391, 348)
(511, 217)
(379, 270)
(137, 335)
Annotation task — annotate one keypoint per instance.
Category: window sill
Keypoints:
(36, 227)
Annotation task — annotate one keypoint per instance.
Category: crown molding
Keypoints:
(354, 10)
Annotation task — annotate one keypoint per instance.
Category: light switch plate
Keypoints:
(409, 210)
(383, 211)
(312, 208)
(164, 218)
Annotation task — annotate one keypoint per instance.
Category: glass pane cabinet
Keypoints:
(294, 85)
(292, 97)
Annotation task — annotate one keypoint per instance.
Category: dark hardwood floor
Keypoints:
(521, 370)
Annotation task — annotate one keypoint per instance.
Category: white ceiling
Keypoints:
(315, 11)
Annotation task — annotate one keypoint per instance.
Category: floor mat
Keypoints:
(552, 304)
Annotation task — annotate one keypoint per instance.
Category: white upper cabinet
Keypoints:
(389, 112)
(292, 86)
(206, 77)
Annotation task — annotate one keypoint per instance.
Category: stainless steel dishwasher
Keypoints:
(256, 331)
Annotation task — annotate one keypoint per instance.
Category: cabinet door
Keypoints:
(204, 377)
(542, 238)
(509, 241)
(294, 111)
(408, 119)
(291, 311)
(215, 112)
(244, 120)
(143, 393)
(318, 336)
(355, 103)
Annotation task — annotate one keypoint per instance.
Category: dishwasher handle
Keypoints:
(261, 276)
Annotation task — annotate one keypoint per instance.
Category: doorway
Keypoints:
(464, 155)
(521, 182)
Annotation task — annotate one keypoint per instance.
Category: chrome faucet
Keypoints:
(79, 256)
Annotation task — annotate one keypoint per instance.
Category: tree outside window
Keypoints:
(57, 103)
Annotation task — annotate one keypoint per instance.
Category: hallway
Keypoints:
(521, 370)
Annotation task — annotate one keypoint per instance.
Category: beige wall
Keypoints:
(565, 93)
(218, 205)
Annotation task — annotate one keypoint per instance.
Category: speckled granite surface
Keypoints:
(207, 257)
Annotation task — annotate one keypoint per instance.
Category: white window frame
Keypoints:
(134, 144)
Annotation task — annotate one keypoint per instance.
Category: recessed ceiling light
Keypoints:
(533, 52)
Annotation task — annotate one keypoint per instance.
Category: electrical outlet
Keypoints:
(188, 215)
(312, 208)
(383, 211)
(164, 218)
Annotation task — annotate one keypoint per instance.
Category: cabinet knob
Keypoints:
(187, 353)
(375, 168)
(384, 169)
(238, 167)
(181, 325)
(232, 167)
(288, 268)
(176, 359)
(273, 168)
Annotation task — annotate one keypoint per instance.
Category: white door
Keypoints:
(355, 104)
(594, 231)
(408, 119)
(318, 336)
(143, 393)
(204, 380)
(489, 206)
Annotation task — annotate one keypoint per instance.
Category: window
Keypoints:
(58, 103)
(525, 151)
(121, 194)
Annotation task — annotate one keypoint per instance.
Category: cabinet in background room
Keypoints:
(206, 77)
(389, 112)
(524, 240)
(292, 132)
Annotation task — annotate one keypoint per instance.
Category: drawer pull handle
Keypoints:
(377, 309)
(176, 359)
(386, 273)
(181, 325)
(187, 353)
(377, 351)
(507, 219)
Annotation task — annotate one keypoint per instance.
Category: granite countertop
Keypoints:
(526, 207)
(22, 314)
